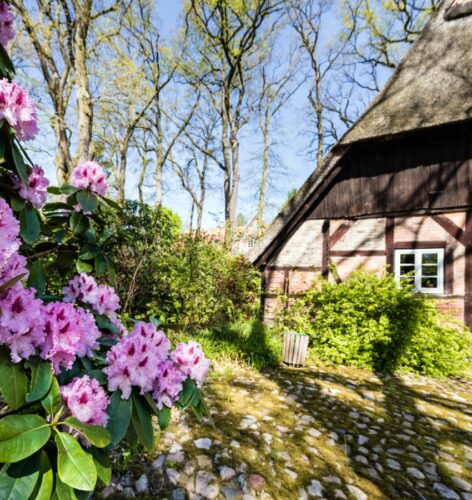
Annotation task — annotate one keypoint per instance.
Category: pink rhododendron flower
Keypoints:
(15, 266)
(168, 384)
(36, 190)
(21, 322)
(70, 332)
(9, 231)
(7, 32)
(191, 360)
(17, 108)
(86, 400)
(89, 175)
(134, 360)
(101, 298)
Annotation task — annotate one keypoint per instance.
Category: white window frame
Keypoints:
(418, 253)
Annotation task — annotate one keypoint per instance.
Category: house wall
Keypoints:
(365, 243)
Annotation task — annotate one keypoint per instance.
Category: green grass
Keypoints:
(245, 342)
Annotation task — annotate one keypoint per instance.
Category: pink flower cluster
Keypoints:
(142, 359)
(86, 400)
(134, 360)
(21, 327)
(17, 108)
(21, 322)
(36, 190)
(7, 32)
(168, 384)
(70, 332)
(10, 231)
(192, 361)
(101, 298)
(89, 175)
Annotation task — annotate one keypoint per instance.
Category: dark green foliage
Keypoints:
(182, 280)
(370, 321)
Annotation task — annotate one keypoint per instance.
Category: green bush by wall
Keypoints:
(370, 321)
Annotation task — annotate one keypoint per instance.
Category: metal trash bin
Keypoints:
(295, 347)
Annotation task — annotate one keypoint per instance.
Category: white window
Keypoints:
(251, 243)
(425, 268)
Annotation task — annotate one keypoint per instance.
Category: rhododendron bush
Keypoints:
(74, 380)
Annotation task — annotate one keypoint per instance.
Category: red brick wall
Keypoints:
(368, 237)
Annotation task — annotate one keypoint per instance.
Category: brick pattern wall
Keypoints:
(305, 248)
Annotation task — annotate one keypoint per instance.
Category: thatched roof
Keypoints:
(432, 86)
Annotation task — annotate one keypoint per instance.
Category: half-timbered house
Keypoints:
(395, 191)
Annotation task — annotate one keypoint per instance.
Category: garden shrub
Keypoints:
(371, 321)
(183, 280)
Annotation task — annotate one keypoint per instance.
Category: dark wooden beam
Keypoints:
(340, 232)
(356, 253)
(449, 269)
(451, 227)
(325, 250)
(389, 242)
(420, 244)
(294, 268)
(298, 218)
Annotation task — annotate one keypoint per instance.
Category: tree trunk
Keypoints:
(142, 176)
(159, 156)
(265, 170)
(63, 159)
(84, 100)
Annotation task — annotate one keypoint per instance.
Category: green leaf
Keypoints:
(75, 467)
(111, 203)
(41, 378)
(57, 205)
(6, 65)
(37, 277)
(111, 270)
(98, 375)
(87, 200)
(8, 284)
(68, 189)
(96, 434)
(17, 204)
(21, 436)
(164, 417)
(206, 410)
(104, 323)
(45, 485)
(152, 403)
(100, 265)
(119, 411)
(13, 382)
(83, 267)
(20, 165)
(142, 422)
(187, 394)
(54, 190)
(89, 252)
(63, 491)
(17, 481)
(78, 223)
(102, 464)
(53, 399)
(155, 321)
(29, 225)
